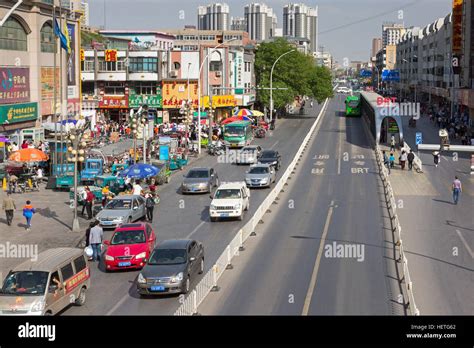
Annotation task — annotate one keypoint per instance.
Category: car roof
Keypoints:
(269, 151)
(48, 260)
(127, 197)
(260, 165)
(231, 185)
(174, 244)
(131, 226)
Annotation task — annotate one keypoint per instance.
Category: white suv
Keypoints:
(230, 200)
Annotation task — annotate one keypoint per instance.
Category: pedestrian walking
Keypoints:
(411, 158)
(84, 200)
(436, 158)
(392, 143)
(150, 206)
(28, 212)
(403, 159)
(392, 160)
(89, 202)
(137, 189)
(95, 240)
(457, 189)
(386, 161)
(9, 207)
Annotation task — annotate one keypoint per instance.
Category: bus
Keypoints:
(353, 105)
(238, 134)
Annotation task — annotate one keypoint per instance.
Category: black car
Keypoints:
(171, 267)
(271, 157)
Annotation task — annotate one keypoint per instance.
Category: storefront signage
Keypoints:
(153, 101)
(14, 85)
(457, 26)
(219, 101)
(176, 92)
(113, 102)
(15, 113)
(110, 55)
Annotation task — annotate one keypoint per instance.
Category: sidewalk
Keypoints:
(437, 235)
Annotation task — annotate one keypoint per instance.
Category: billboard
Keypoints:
(15, 113)
(14, 85)
(71, 59)
(457, 26)
(175, 92)
(391, 75)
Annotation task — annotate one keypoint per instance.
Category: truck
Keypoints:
(92, 167)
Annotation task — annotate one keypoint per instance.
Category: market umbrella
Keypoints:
(230, 120)
(256, 113)
(4, 139)
(28, 155)
(244, 112)
(140, 171)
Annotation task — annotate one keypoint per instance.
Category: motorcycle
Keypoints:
(260, 133)
(216, 150)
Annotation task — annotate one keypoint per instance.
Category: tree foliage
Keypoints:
(295, 71)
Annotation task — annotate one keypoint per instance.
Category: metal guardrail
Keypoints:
(392, 209)
(210, 281)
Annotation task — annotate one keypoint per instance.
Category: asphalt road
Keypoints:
(334, 197)
(179, 216)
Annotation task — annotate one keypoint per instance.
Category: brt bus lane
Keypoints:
(179, 216)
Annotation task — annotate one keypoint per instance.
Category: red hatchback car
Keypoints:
(130, 246)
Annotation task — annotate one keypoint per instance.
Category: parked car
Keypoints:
(230, 200)
(248, 154)
(171, 267)
(260, 175)
(126, 208)
(270, 157)
(344, 90)
(130, 246)
(199, 180)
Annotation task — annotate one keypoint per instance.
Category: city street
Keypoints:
(284, 269)
(179, 216)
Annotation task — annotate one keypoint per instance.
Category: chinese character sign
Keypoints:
(14, 85)
(110, 55)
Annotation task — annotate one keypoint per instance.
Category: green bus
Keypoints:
(353, 105)
(238, 134)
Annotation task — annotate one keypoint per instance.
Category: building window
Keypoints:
(13, 36)
(119, 65)
(148, 88)
(143, 64)
(215, 66)
(88, 65)
(176, 65)
(47, 38)
(114, 88)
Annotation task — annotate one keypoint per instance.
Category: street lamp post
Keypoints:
(271, 82)
(378, 77)
(199, 89)
(77, 144)
(140, 118)
(188, 112)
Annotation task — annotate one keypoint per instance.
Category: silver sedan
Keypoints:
(260, 175)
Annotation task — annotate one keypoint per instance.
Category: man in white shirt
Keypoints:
(14, 147)
(137, 189)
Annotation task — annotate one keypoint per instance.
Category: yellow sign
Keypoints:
(219, 101)
(83, 55)
(176, 92)
(110, 55)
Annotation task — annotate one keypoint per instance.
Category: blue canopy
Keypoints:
(140, 171)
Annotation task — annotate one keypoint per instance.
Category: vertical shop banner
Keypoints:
(457, 26)
(71, 59)
(47, 89)
(14, 85)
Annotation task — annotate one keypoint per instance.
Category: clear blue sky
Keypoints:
(336, 32)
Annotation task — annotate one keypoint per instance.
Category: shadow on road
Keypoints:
(49, 214)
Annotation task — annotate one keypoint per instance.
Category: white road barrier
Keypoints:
(209, 282)
(392, 209)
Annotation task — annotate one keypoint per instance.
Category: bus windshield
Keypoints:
(234, 131)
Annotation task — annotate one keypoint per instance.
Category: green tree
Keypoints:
(295, 71)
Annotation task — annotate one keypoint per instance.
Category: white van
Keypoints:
(46, 286)
(230, 200)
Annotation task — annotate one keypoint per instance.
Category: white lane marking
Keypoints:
(195, 230)
(314, 276)
(271, 148)
(339, 155)
(465, 244)
(118, 304)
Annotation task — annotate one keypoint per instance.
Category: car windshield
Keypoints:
(258, 170)
(227, 193)
(99, 182)
(128, 237)
(119, 204)
(25, 283)
(268, 154)
(168, 257)
(234, 131)
(93, 165)
(195, 174)
(353, 103)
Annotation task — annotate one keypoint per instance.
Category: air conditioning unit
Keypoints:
(218, 73)
(173, 73)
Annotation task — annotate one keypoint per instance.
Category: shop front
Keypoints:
(223, 106)
(175, 93)
(114, 107)
(154, 103)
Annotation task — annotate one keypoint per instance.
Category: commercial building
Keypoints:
(261, 21)
(376, 46)
(238, 23)
(391, 33)
(214, 17)
(29, 81)
(301, 21)
(85, 14)
(324, 59)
